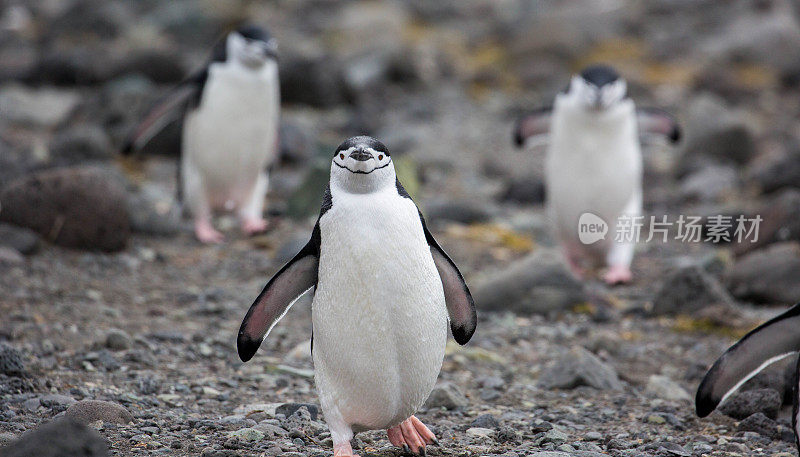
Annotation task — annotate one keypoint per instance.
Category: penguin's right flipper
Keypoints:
(659, 123)
(167, 110)
(768, 343)
(293, 280)
(533, 124)
(460, 305)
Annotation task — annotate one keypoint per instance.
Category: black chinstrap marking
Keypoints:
(359, 172)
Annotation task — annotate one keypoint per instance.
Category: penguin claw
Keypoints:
(406, 449)
(435, 442)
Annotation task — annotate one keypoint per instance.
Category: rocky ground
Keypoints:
(118, 335)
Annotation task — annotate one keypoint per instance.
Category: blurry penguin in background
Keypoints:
(594, 164)
(230, 132)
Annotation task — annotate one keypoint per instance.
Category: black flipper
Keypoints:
(657, 122)
(768, 343)
(534, 124)
(460, 305)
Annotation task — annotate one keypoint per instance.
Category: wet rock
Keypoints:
(11, 362)
(446, 395)
(760, 424)
(767, 275)
(37, 107)
(665, 388)
(485, 421)
(579, 367)
(538, 283)
(780, 221)
(743, 404)
(87, 411)
(59, 438)
(287, 409)
(20, 239)
(780, 173)
(525, 189)
(162, 67)
(72, 207)
(79, 145)
(314, 80)
(715, 134)
(710, 183)
(690, 290)
(118, 340)
(464, 212)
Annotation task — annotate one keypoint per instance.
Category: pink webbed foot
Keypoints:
(412, 435)
(343, 450)
(253, 226)
(618, 274)
(206, 233)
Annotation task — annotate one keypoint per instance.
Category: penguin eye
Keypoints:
(380, 157)
(341, 156)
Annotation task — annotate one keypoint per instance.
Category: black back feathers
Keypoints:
(599, 75)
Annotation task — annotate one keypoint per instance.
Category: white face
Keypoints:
(361, 169)
(597, 98)
(250, 53)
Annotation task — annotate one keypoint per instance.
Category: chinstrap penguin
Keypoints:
(594, 164)
(384, 291)
(772, 341)
(230, 131)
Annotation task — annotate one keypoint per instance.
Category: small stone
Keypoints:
(87, 411)
(594, 436)
(665, 388)
(11, 361)
(24, 240)
(446, 395)
(760, 424)
(689, 290)
(526, 189)
(248, 434)
(744, 404)
(480, 432)
(579, 367)
(287, 409)
(81, 144)
(656, 419)
(485, 421)
(38, 107)
(11, 256)
(555, 436)
(118, 340)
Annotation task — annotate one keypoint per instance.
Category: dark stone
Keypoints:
(485, 421)
(295, 145)
(60, 438)
(689, 290)
(744, 404)
(779, 174)
(287, 409)
(11, 361)
(527, 189)
(315, 81)
(86, 411)
(760, 424)
(767, 275)
(79, 145)
(781, 221)
(158, 66)
(579, 367)
(72, 207)
(21, 239)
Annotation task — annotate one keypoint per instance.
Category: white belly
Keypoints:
(231, 137)
(379, 316)
(593, 166)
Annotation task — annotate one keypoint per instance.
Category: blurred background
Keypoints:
(115, 301)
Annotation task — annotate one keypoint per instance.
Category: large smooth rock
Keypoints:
(72, 207)
(579, 367)
(665, 388)
(446, 395)
(768, 275)
(79, 145)
(11, 360)
(37, 107)
(86, 411)
(60, 438)
(780, 221)
(690, 290)
(710, 183)
(743, 404)
(779, 173)
(538, 283)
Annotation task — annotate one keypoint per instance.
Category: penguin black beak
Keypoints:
(361, 156)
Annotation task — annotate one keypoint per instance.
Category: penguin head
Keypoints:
(597, 87)
(251, 46)
(362, 164)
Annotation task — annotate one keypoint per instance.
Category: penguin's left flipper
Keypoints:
(768, 343)
(293, 280)
(168, 109)
(535, 124)
(460, 305)
(654, 122)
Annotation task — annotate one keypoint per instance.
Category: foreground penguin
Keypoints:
(383, 291)
(594, 164)
(230, 131)
(768, 343)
